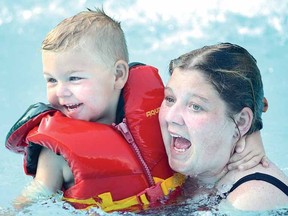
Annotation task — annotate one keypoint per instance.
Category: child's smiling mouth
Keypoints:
(72, 107)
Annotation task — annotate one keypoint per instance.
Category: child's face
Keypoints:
(79, 86)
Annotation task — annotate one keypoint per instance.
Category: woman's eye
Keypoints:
(195, 107)
(169, 100)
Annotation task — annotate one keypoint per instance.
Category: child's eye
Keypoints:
(74, 78)
(51, 80)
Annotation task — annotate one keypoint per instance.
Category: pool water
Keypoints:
(166, 29)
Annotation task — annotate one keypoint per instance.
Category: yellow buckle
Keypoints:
(150, 195)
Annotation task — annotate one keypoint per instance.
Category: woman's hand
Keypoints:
(249, 152)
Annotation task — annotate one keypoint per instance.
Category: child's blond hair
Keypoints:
(103, 35)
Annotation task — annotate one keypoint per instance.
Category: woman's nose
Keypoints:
(174, 115)
(63, 90)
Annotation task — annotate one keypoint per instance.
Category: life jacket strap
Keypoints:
(150, 195)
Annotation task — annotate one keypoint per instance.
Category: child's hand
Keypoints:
(249, 152)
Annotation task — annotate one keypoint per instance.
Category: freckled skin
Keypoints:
(207, 155)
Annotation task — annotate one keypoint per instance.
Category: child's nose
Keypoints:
(63, 90)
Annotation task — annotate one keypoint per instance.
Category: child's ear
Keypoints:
(121, 74)
(243, 121)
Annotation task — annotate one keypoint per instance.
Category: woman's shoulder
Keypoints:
(258, 188)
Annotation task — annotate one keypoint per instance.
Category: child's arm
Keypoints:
(249, 152)
(33, 192)
(48, 180)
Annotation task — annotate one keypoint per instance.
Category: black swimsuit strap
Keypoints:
(262, 177)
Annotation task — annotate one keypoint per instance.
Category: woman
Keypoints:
(213, 98)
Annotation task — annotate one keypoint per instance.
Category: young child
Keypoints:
(71, 145)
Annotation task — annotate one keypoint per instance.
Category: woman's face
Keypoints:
(197, 133)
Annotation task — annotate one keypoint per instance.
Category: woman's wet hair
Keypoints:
(233, 72)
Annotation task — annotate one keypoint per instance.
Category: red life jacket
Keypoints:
(111, 170)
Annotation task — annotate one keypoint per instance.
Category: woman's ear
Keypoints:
(244, 121)
(265, 106)
(121, 74)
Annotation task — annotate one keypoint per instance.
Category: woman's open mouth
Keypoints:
(180, 144)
